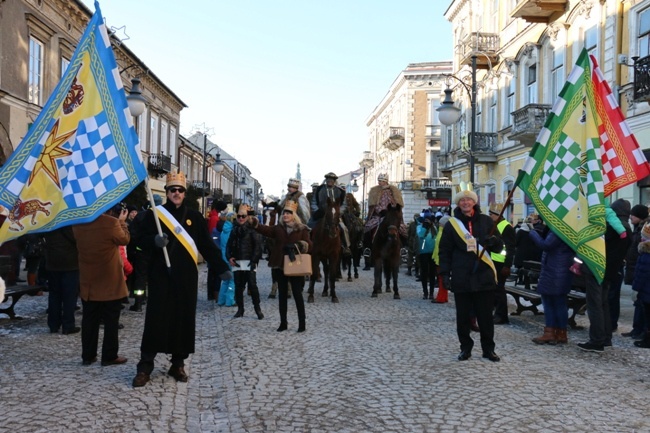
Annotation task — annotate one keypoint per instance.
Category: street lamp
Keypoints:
(136, 101)
(449, 114)
(219, 166)
(354, 186)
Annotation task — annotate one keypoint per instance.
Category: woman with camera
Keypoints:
(426, 241)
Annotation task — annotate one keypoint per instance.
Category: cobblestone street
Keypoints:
(363, 365)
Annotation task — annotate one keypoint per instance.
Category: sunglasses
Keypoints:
(242, 216)
(181, 190)
(287, 212)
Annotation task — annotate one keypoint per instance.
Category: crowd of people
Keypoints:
(461, 250)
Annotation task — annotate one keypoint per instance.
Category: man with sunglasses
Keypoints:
(244, 250)
(171, 307)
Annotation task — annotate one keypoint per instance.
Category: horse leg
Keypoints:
(376, 288)
(387, 271)
(335, 299)
(349, 263)
(312, 280)
(395, 289)
(327, 269)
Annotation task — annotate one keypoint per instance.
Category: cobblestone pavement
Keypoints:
(364, 365)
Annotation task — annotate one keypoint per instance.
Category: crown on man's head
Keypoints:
(176, 179)
(465, 190)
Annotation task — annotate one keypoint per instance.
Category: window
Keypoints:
(495, 16)
(142, 130)
(153, 133)
(172, 144)
(510, 101)
(591, 40)
(35, 71)
(557, 73)
(164, 137)
(433, 106)
(531, 83)
(493, 110)
(644, 33)
(64, 65)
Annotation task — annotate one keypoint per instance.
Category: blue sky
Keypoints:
(282, 82)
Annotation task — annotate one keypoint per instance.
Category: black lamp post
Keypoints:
(449, 114)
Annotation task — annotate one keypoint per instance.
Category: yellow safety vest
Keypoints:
(500, 257)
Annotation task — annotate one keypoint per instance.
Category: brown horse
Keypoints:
(326, 239)
(386, 247)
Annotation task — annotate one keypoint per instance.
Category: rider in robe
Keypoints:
(379, 198)
(329, 189)
(294, 194)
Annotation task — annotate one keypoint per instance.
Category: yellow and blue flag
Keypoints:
(81, 155)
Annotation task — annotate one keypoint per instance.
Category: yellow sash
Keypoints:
(462, 232)
(177, 229)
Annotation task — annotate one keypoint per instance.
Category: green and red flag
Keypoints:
(584, 152)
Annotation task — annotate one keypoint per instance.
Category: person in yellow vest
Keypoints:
(468, 271)
(502, 262)
(170, 320)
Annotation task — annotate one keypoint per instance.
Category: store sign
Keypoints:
(439, 202)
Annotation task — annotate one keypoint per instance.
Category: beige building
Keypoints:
(404, 137)
(37, 39)
(524, 51)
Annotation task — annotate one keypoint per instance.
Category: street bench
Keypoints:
(16, 291)
(576, 298)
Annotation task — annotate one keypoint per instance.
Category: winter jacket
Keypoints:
(426, 239)
(616, 249)
(525, 250)
(61, 250)
(101, 277)
(468, 274)
(244, 243)
(633, 253)
(555, 277)
(284, 239)
(641, 282)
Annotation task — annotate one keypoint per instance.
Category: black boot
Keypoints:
(239, 313)
(258, 311)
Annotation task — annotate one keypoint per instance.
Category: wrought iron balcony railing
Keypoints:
(159, 164)
(642, 79)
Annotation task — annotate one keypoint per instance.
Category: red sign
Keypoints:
(439, 202)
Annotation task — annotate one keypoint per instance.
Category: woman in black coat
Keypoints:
(554, 284)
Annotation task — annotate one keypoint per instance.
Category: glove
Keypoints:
(290, 250)
(505, 271)
(446, 281)
(226, 276)
(252, 265)
(161, 241)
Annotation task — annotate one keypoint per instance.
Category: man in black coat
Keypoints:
(469, 273)
(169, 325)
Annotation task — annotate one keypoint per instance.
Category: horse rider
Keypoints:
(294, 194)
(329, 189)
(379, 198)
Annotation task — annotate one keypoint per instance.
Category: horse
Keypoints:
(386, 251)
(355, 232)
(326, 239)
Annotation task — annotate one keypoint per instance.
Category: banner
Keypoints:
(81, 155)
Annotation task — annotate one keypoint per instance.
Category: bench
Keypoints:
(529, 273)
(16, 291)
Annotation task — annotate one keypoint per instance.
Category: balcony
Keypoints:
(528, 121)
(642, 79)
(436, 183)
(539, 11)
(217, 193)
(485, 147)
(201, 187)
(486, 43)
(395, 138)
(159, 164)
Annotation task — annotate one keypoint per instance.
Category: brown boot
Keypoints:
(560, 336)
(547, 338)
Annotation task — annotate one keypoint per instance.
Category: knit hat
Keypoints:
(382, 177)
(293, 183)
(640, 211)
(465, 194)
(621, 207)
(645, 232)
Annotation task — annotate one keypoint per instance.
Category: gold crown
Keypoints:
(496, 208)
(291, 205)
(243, 209)
(176, 179)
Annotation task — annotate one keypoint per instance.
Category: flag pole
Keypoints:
(157, 220)
(494, 226)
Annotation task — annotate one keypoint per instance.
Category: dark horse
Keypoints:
(386, 246)
(326, 239)
(355, 232)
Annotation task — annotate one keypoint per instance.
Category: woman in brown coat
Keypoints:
(101, 283)
(288, 233)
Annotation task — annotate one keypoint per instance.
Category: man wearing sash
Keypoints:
(171, 306)
(468, 272)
